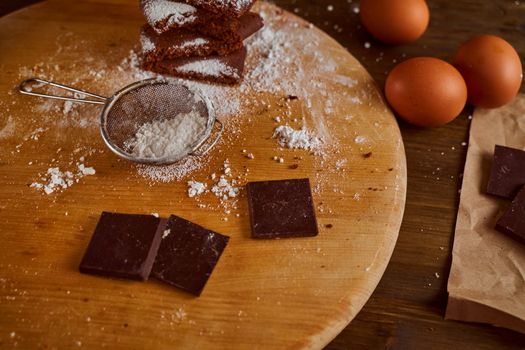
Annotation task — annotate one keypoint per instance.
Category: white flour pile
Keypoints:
(167, 138)
(291, 138)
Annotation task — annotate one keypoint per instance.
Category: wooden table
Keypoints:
(406, 311)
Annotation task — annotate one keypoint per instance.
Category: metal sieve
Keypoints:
(142, 102)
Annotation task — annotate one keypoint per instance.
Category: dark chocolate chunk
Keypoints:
(508, 172)
(280, 209)
(187, 255)
(123, 245)
(216, 69)
(512, 222)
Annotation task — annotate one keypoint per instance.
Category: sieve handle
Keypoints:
(212, 143)
(27, 86)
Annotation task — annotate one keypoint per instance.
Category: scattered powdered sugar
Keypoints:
(56, 180)
(193, 43)
(166, 233)
(8, 129)
(225, 189)
(173, 172)
(146, 44)
(340, 163)
(209, 67)
(360, 139)
(180, 314)
(167, 138)
(86, 170)
(291, 138)
(196, 188)
(131, 65)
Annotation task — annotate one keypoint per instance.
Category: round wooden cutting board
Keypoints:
(290, 293)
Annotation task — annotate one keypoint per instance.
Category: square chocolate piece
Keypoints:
(187, 255)
(508, 172)
(123, 245)
(280, 209)
(512, 222)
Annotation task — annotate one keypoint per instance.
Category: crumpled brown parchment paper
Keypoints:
(487, 277)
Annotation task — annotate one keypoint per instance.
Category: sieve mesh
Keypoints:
(147, 102)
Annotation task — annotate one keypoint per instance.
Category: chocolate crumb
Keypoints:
(292, 97)
(390, 169)
(367, 155)
(328, 225)
(294, 166)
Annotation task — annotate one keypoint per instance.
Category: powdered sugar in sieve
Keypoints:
(151, 121)
(161, 138)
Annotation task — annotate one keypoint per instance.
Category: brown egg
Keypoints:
(395, 21)
(426, 91)
(491, 68)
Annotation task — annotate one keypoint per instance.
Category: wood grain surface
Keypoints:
(406, 310)
(301, 291)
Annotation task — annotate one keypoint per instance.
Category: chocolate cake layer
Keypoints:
(163, 15)
(226, 69)
(182, 43)
(185, 43)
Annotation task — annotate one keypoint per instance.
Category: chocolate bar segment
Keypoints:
(512, 222)
(187, 255)
(226, 69)
(508, 172)
(235, 8)
(123, 245)
(187, 43)
(280, 209)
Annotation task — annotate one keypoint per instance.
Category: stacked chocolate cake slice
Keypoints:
(198, 39)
